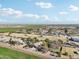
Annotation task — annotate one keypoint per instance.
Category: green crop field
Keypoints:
(8, 30)
(6, 53)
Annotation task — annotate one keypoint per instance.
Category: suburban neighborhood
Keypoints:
(45, 41)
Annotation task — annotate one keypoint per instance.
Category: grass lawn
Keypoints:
(8, 29)
(6, 53)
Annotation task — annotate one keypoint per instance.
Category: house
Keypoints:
(38, 44)
(43, 31)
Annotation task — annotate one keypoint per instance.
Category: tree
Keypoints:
(29, 42)
(46, 42)
(50, 30)
(59, 54)
(65, 30)
(35, 40)
(29, 39)
(65, 53)
(38, 31)
(12, 42)
(60, 41)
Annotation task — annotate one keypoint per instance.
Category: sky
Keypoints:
(39, 11)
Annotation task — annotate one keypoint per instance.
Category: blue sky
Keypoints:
(39, 11)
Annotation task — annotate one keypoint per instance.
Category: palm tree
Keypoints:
(60, 43)
(60, 51)
(46, 42)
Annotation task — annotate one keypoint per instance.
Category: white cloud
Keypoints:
(63, 13)
(44, 5)
(73, 8)
(9, 11)
(32, 16)
(35, 16)
(44, 17)
(19, 14)
(70, 8)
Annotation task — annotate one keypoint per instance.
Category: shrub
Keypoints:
(66, 53)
